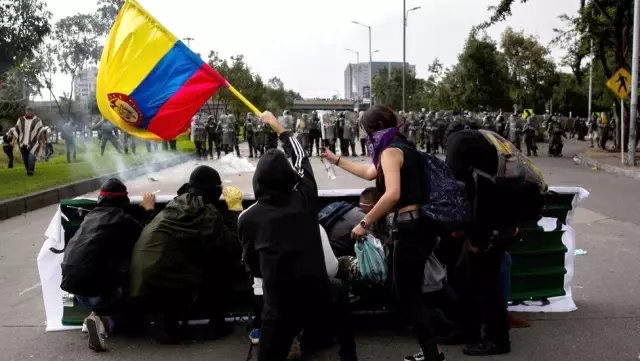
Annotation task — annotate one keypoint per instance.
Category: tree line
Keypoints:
(33, 50)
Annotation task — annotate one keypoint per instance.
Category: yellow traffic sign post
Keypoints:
(527, 113)
(620, 83)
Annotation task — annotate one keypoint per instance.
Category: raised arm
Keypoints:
(294, 150)
(362, 171)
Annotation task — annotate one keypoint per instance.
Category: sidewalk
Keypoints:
(608, 161)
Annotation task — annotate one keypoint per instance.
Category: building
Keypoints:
(356, 76)
(84, 85)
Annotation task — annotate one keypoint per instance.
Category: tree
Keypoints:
(484, 73)
(608, 23)
(106, 15)
(531, 69)
(78, 46)
(23, 26)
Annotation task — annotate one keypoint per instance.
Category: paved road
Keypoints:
(606, 288)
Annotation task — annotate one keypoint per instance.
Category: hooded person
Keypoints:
(96, 260)
(184, 254)
(282, 245)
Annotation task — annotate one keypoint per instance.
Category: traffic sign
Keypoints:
(620, 83)
(527, 113)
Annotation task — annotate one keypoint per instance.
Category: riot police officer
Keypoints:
(302, 128)
(530, 138)
(329, 124)
(248, 133)
(236, 133)
(515, 130)
(258, 136)
(501, 125)
(315, 133)
(287, 121)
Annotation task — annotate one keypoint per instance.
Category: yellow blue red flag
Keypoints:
(150, 84)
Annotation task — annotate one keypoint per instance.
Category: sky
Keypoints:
(302, 41)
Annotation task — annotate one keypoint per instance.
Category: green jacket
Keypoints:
(182, 245)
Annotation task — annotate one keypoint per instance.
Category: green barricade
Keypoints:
(538, 270)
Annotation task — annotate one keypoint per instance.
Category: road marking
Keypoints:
(29, 289)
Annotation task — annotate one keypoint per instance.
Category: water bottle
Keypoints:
(330, 168)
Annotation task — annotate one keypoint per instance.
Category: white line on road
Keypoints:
(29, 289)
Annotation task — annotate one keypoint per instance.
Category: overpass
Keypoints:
(338, 105)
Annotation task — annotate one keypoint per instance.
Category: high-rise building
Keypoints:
(84, 85)
(356, 76)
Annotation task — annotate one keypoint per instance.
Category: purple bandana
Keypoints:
(378, 141)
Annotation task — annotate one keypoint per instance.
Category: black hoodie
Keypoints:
(280, 233)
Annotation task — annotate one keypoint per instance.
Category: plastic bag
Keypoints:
(372, 259)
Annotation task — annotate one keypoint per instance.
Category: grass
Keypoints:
(57, 172)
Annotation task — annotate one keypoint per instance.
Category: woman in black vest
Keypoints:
(396, 167)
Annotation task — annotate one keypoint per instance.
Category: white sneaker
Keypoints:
(97, 333)
(84, 326)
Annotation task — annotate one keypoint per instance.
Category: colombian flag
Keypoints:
(149, 83)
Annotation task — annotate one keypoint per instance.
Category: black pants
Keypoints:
(290, 307)
(480, 293)
(363, 146)
(129, 141)
(303, 138)
(532, 149)
(148, 144)
(314, 138)
(432, 147)
(173, 144)
(212, 141)
(201, 151)
(71, 149)
(413, 244)
(29, 160)
(48, 151)
(8, 150)
(111, 139)
(165, 146)
(250, 143)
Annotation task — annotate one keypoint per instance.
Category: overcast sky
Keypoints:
(303, 41)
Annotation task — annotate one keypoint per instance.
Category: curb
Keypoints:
(16, 206)
(590, 162)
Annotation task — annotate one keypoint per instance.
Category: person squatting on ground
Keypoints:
(395, 172)
(96, 260)
(68, 135)
(29, 131)
(9, 140)
(282, 245)
(182, 258)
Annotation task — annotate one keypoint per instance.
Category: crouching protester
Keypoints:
(182, 258)
(96, 261)
(282, 245)
(504, 188)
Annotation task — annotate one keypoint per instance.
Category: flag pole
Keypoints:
(246, 102)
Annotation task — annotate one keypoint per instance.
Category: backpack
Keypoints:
(521, 189)
(333, 213)
(444, 199)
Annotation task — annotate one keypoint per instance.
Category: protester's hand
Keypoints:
(148, 201)
(233, 197)
(358, 232)
(268, 118)
(328, 154)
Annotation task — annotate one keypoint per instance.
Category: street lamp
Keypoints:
(188, 40)
(370, 61)
(405, 14)
(357, 71)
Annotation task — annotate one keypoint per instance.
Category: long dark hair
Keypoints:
(377, 118)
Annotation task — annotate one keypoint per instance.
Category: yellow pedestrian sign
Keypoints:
(620, 83)
(527, 113)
